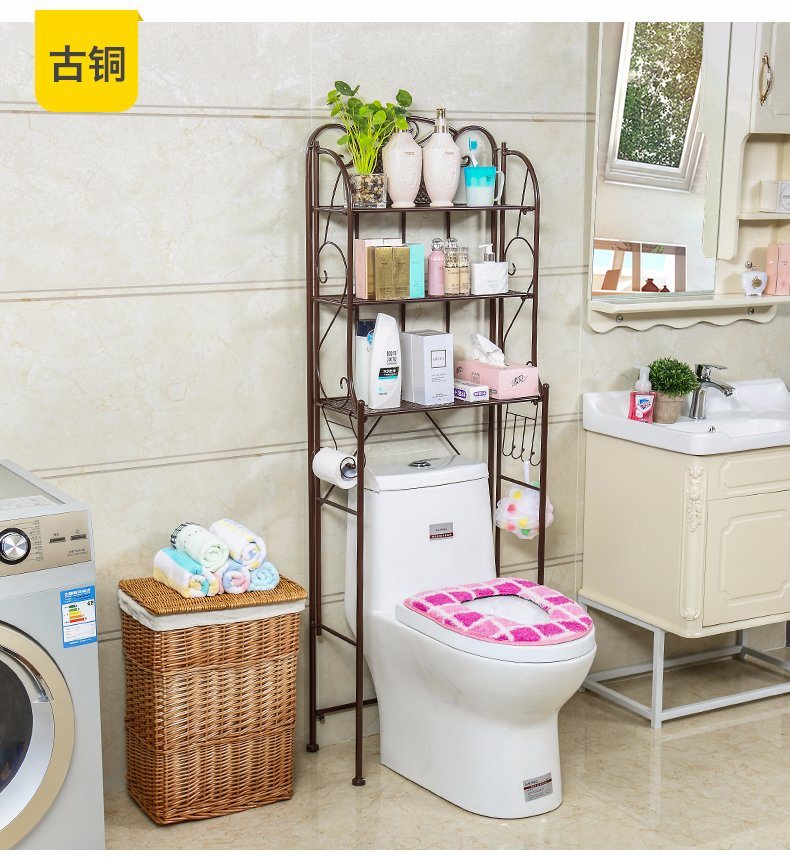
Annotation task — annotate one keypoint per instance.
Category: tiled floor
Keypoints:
(716, 780)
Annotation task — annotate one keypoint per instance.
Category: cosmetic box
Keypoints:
(210, 698)
(775, 196)
(466, 391)
(511, 381)
(427, 357)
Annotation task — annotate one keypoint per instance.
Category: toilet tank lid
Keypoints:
(423, 473)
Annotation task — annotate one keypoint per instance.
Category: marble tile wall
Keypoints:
(152, 290)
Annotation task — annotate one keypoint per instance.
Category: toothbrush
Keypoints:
(472, 147)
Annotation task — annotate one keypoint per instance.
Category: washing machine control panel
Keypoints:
(48, 541)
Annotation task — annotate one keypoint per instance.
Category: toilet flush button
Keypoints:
(420, 462)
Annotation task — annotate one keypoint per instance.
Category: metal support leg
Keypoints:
(656, 713)
(657, 700)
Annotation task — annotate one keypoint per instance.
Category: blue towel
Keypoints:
(182, 573)
(265, 576)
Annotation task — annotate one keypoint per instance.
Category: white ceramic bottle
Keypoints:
(402, 160)
(441, 163)
(385, 375)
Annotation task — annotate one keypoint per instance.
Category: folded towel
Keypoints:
(265, 577)
(245, 546)
(233, 577)
(181, 572)
(204, 547)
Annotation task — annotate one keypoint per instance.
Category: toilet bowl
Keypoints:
(469, 684)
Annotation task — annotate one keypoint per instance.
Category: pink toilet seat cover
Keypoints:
(449, 607)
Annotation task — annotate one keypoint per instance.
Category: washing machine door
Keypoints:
(36, 734)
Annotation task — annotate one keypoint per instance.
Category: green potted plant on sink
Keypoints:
(672, 381)
(368, 126)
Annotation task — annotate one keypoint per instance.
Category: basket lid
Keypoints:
(161, 600)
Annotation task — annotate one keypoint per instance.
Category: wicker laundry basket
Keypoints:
(210, 698)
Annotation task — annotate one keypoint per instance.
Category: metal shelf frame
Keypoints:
(332, 227)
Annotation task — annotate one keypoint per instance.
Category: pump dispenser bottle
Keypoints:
(642, 397)
(441, 163)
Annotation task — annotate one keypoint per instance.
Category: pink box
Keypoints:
(511, 381)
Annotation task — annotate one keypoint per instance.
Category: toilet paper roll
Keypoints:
(336, 467)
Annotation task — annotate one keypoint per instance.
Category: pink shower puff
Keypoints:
(518, 512)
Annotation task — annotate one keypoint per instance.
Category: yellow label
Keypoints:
(86, 61)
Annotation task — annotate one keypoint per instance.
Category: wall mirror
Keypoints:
(661, 99)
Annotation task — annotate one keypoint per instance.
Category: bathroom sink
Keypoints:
(756, 416)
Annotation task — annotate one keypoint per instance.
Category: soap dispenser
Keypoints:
(489, 277)
(642, 398)
(441, 163)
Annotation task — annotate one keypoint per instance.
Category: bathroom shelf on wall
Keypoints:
(513, 228)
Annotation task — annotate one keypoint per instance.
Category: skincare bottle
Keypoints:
(464, 286)
(452, 273)
(489, 277)
(385, 375)
(642, 398)
(436, 268)
(441, 163)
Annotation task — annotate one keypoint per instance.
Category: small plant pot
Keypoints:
(667, 408)
(369, 191)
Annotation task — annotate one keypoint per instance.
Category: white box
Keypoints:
(427, 359)
(466, 391)
(775, 196)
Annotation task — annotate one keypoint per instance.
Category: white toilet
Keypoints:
(473, 720)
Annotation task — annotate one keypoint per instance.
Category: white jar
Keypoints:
(402, 160)
(441, 163)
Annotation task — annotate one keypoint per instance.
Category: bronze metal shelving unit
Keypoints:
(332, 227)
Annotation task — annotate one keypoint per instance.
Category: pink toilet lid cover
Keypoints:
(451, 608)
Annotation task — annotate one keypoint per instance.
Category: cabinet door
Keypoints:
(773, 116)
(747, 558)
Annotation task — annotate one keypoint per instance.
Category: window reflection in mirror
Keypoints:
(623, 267)
(652, 163)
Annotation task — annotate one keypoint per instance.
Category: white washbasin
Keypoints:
(756, 416)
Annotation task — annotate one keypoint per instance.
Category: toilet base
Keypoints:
(478, 732)
(521, 786)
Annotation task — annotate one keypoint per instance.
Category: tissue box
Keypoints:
(427, 358)
(511, 381)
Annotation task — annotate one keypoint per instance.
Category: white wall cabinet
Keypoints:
(695, 545)
(772, 116)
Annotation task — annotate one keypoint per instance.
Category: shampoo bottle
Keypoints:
(385, 375)
(642, 398)
(441, 164)
(436, 268)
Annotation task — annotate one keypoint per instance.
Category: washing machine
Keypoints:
(50, 742)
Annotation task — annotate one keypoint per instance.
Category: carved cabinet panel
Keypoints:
(747, 562)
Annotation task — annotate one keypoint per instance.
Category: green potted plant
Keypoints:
(368, 124)
(672, 381)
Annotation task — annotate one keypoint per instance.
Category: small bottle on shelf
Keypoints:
(464, 285)
(452, 272)
(436, 268)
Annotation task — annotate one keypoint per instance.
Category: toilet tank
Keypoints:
(428, 524)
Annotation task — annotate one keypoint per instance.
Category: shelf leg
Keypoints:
(359, 652)
(544, 456)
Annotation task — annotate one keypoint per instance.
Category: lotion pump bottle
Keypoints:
(642, 398)
(385, 375)
(441, 163)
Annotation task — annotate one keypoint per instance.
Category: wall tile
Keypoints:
(89, 202)
(147, 377)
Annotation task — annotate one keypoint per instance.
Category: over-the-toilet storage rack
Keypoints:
(331, 226)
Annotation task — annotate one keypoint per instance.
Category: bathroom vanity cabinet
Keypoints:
(693, 544)
(770, 112)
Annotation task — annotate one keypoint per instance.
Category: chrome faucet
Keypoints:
(703, 370)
